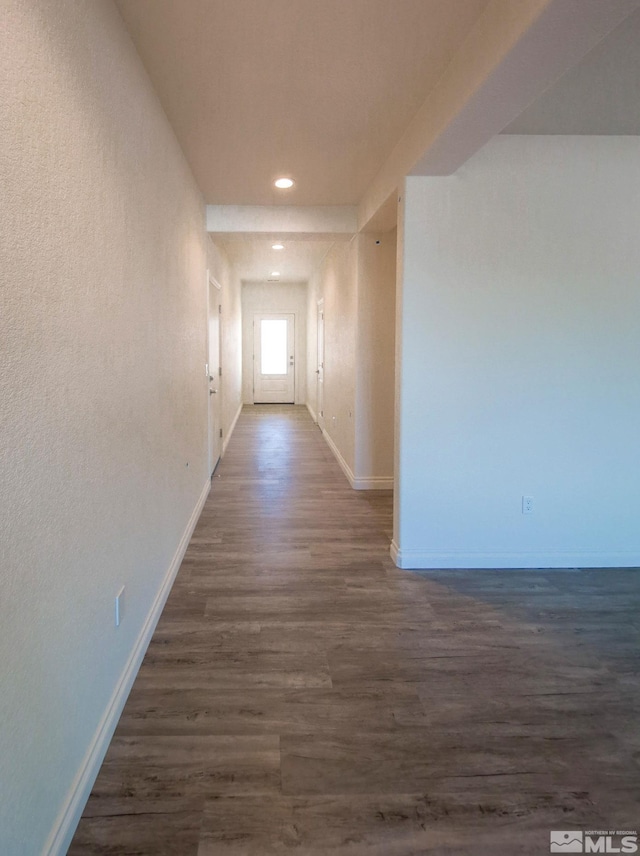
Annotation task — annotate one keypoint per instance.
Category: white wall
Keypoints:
(274, 297)
(338, 286)
(356, 281)
(230, 338)
(519, 348)
(375, 365)
(102, 332)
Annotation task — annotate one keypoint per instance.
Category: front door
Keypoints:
(273, 359)
(215, 414)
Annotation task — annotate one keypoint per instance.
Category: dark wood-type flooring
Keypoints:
(301, 695)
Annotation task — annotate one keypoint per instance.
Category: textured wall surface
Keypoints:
(338, 285)
(520, 348)
(375, 382)
(102, 334)
(356, 280)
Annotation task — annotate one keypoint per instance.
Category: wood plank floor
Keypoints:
(302, 695)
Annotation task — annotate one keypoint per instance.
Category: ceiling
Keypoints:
(600, 95)
(318, 89)
(328, 91)
(254, 259)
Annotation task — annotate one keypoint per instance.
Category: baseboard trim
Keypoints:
(312, 413)
(225, 442)
(68, 818)
(431, 560)
(344, 466)
(374, 483)
(357, 483)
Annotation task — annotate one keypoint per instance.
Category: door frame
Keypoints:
(320, 363)
(211, 444)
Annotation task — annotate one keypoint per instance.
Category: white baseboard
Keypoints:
(430, 560)
(373, 483)
(395, 554)
(67, 821)
(344, 466)
(357, 483)
(225, 442)
(312, 413)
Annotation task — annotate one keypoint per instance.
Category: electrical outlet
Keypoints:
(119, 606)
(527, 505)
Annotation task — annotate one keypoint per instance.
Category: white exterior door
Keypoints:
(215, 408)
(273, 359)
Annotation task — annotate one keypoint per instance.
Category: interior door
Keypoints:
(273, 359)
(215, 404)
(320, 369)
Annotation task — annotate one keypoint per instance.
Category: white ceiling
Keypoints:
(319, 89)
(254, 259)
(600, 95)
(331, 91)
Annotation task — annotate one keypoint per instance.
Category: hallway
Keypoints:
(301, 694)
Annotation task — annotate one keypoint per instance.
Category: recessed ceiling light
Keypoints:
(275, 273)
(277, 247)
(283, 183)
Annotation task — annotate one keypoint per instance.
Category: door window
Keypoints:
(273, 346)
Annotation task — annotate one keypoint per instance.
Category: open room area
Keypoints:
(302, 694)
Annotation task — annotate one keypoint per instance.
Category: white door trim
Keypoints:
(214, 444)
(320, 360)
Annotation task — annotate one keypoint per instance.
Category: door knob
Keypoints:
(212, 391)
